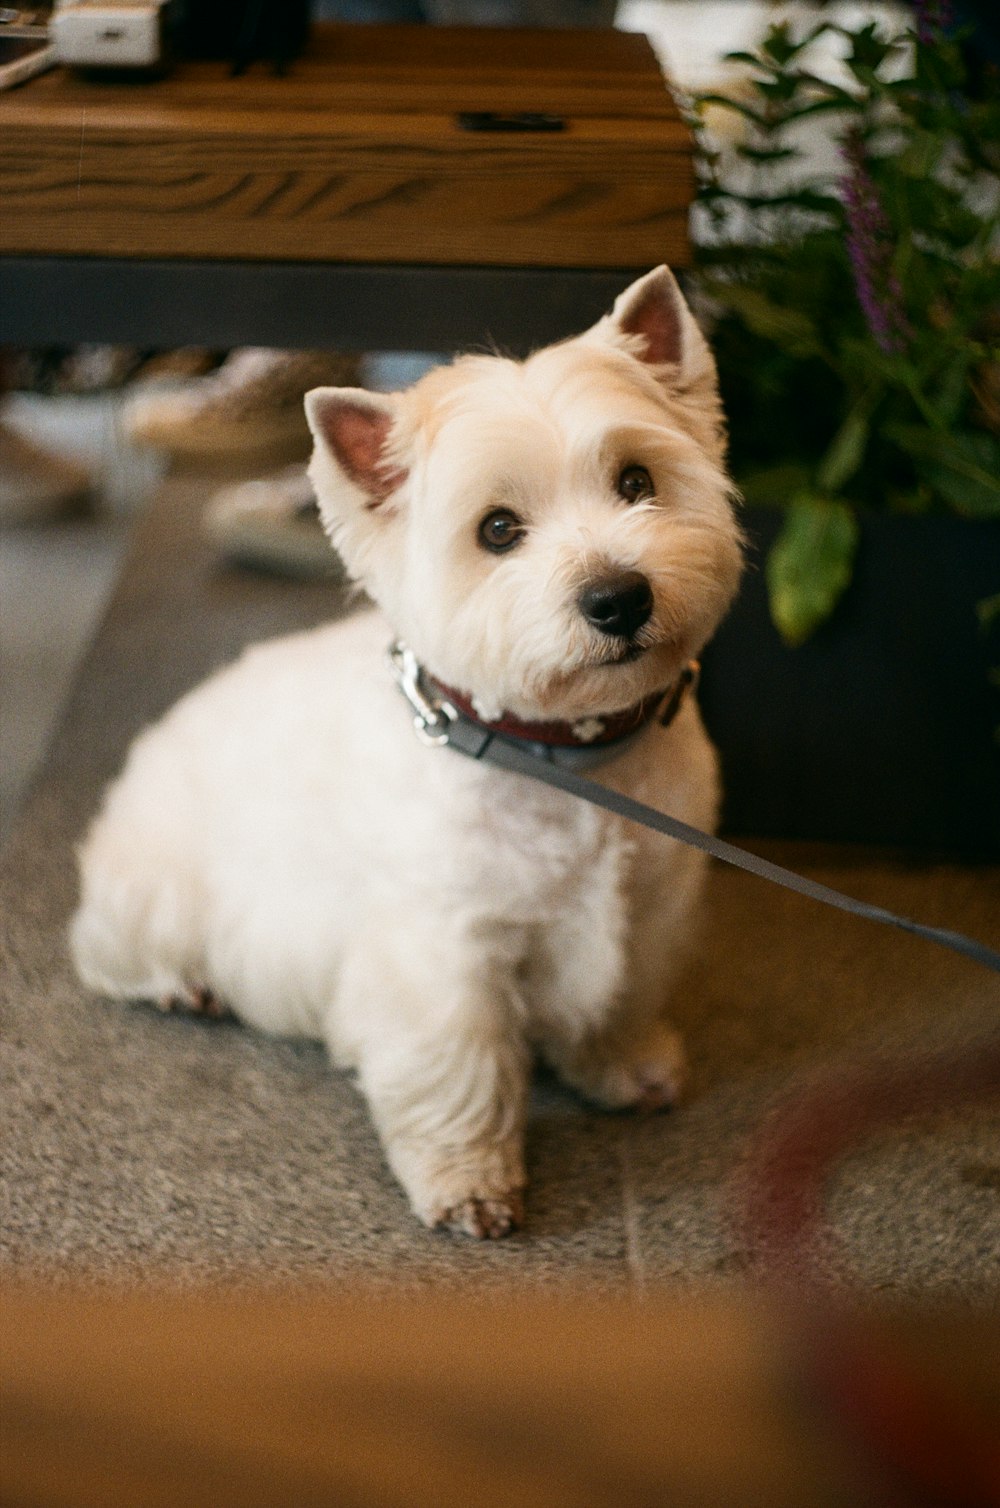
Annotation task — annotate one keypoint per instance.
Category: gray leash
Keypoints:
(508, 756)
(439, 724)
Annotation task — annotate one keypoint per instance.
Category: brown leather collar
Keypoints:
(587, 732)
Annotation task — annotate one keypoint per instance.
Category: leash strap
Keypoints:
(439, 724)
(510, 756)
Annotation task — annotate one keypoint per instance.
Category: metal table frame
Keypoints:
(69, 300)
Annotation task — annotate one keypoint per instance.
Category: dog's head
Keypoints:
(553, 537)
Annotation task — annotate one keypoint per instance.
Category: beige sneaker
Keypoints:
(272, 524)
(37, 485)
(249, 408)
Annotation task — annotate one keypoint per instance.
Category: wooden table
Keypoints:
(348, 203)
(372, 1397)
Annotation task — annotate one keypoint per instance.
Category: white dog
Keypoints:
(553, 540)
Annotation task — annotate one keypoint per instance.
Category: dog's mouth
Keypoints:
(604, 682)
(624, 651)
(632, 651)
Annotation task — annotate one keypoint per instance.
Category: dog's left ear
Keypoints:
(653, 309)
(354, 428)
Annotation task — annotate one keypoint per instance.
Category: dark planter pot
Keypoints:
(882, 729)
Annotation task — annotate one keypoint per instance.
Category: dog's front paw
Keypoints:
(479, 1193)
(647, 1075)
(195, 1000)
(485, 1219)
(650, 1078)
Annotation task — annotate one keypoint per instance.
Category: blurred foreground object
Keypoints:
(259, 1398)
(789, 1393)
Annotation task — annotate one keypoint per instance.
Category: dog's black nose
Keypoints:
(618, 605)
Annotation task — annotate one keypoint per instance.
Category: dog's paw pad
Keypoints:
(656, 1091)
(196, 1000)
(484, 1219)
(651, 1080)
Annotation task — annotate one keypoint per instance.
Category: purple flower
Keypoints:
(869, 247)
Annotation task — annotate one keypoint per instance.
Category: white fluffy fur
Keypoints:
(281, 839)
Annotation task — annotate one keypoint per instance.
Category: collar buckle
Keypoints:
(432, 718)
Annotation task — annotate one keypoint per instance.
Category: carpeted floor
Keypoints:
(136, 1145)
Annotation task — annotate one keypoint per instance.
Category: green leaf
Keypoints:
(800, 199)
(742, 57)
(847, 451)
(773, 486)
(789, 329)
(954, 383)
(782, 88)
(723, 100)
(778, 43)
(963, 467)
(842, 101)
(762, 155)
(921, 155)
(988, 611)
(810, 564)
(868, 50)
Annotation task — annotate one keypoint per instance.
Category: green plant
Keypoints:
(857, 301)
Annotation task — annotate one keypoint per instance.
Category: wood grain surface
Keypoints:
(358, 155)
(442, 1401)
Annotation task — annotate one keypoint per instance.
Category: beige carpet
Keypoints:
(134, 1144)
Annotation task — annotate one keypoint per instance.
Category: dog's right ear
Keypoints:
(354, 427)
(654, 309)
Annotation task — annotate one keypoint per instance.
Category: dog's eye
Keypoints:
(635, 483)
(500, 531)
